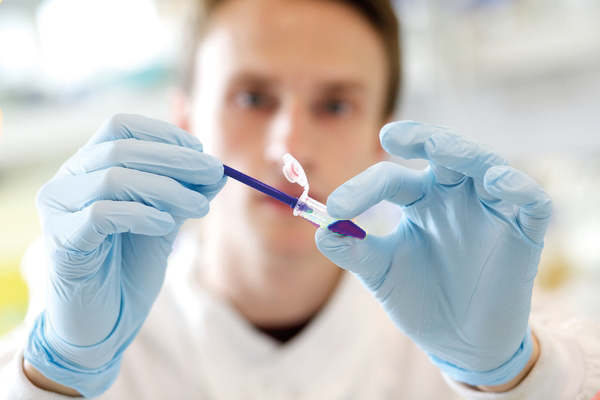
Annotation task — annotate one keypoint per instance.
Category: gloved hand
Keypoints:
(109, 219)
(456, 276)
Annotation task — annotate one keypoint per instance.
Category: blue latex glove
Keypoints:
(457, 274)
(109, 219)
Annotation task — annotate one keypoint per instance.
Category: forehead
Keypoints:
(294, 39)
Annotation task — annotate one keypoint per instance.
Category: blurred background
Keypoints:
(520, 75)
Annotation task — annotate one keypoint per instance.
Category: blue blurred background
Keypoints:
(520, 75)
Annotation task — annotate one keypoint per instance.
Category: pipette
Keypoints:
(305, 207)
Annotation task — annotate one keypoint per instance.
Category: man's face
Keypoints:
(305, 77)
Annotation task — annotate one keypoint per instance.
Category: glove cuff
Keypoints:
(42, 355)
(497, 376)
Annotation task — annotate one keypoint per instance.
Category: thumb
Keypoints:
(369, 259)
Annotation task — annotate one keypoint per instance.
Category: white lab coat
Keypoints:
(196, 346)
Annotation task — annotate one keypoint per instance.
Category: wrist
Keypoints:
(535, 354)
(501, 375)
(40, 381)
(44, 354)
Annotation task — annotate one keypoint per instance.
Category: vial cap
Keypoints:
(293, 171)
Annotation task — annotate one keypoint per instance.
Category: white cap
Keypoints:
(293, 171)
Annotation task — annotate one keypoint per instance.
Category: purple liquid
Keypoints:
(347, 228)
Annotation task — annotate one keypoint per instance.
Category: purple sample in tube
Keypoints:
(307, 208)
(347, 228)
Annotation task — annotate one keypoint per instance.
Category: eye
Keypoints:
(254, 100)
(336, 108)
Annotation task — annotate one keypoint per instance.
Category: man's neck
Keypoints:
(270, 291)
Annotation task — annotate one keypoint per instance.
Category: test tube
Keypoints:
(316, 212)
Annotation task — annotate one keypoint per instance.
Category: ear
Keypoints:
(180, 107)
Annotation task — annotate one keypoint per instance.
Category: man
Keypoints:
(253, 309)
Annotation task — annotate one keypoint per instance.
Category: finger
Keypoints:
(535, 205)
(407, 139)
(369, 258)
(177, 162)
(459, 154)
(210, 191)
(445, 176)
(383, 181)
(122, 184)
(470, 158)
(89, 227)
(131, 126)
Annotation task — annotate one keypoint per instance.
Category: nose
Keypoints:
(289, 132)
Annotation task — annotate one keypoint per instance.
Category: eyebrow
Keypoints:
(252, 78)
(325, 86)
(342, 86)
